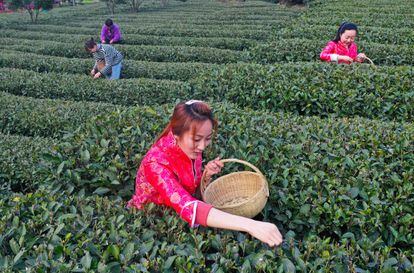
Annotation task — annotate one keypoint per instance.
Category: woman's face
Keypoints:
(194, 145)
(94, 49)
(348, 36)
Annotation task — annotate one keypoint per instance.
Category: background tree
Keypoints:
(135, 4)
(33, 7)
(289, 2)
(111, 4)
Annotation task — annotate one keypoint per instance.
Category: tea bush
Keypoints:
(328, 18)
(309, 50)
(139, 39)
(256, 34)
(341, 175)
(306, 89)
(66, 232)
(130, 69)
(132, 52)
(314, 89)
(20, 158)
(84, 88)
(45, 118)
(338, 159)
(366, 34)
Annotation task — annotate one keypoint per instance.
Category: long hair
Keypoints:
(188, 116)
(342, 28)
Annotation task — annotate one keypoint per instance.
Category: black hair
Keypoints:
(89, 44)
(109, 22)
(342, 28)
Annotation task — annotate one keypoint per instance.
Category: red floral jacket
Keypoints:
(167, 176)
(333, 49)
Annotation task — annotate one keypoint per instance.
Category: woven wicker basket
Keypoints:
(370, 61)
(242, 193)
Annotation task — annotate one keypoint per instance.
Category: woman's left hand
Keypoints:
(361, 56)
(213, 167)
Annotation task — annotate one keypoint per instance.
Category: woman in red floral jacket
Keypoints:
(171, 171)
(343, 49)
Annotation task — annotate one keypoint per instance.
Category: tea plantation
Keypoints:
(336, 142)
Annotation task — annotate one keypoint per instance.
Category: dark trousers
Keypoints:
(107, 40)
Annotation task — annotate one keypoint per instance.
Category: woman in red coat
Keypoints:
(171, 171)
(343, 48)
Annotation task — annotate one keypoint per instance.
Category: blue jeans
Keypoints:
(116, 72)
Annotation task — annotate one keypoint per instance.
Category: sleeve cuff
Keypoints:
(334, 57)
(203, 209)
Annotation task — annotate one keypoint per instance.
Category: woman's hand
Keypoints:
(266, 232)
(93, 72)
(361, 56)
(213, 167)
(97, 75)
(345, 58)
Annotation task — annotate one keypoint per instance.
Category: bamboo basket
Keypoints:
(242, 193)
(370, 61)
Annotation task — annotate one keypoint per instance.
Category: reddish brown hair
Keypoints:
(187, 117)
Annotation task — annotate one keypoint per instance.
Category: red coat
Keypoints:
(333, 49)
(167, 176)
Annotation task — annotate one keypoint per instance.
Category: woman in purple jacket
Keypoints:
(110, 33)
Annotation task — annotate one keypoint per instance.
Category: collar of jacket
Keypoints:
(178, 158)
(344, 45)
(169, 144)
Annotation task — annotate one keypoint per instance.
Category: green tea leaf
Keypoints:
(101, 191)
(169, 262)
(86, 261)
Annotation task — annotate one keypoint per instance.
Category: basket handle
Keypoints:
(369, 60)
(203, 184)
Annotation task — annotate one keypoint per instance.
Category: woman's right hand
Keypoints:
(213, 167)
(266, 232)
(345, 58)
(93, 72)
(97, 75)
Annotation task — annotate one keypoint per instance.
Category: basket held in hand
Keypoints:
(242, 193)
(370, 61)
